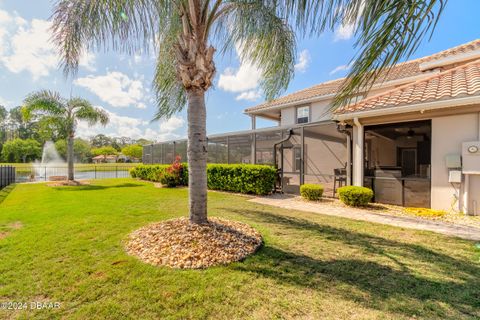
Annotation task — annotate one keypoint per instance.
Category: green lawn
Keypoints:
(79, 167)
(65, 244)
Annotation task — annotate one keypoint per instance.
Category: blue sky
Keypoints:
(121, 84)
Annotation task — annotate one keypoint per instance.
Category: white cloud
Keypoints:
(303, 61)
(135, 128)
(29, 49)
(26, 46)
(347, 29)
(115, 88)
(168, 130)
(246, 77)
(343, 67)
(87, 61)
(251, 95)
(344, 32)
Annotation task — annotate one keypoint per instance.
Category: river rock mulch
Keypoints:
(68, 183)
(177, 243)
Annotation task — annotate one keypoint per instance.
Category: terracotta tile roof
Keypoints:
(458, 82)
(400, 71)
(461, 49)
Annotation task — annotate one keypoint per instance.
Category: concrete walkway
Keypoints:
(293, 203)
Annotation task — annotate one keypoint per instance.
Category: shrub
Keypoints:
(241, 178)
(355, 196)
(172, 176)
(311, 191)
(425, 212)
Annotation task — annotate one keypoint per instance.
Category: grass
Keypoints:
(69, 249)
(79, 167)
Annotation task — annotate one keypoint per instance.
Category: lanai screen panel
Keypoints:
(181, 149)
(217, 150)
(168, 153)
(292, 162)
(325, 150)
(157, 153)
(264, 146)
(240, 148)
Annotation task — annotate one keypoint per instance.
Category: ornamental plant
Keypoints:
(172, 176)
(355, 196)
(312, 192)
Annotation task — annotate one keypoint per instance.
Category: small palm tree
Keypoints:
(63, 114)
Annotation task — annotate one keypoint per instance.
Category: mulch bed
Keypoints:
(177, 243)
(68, 183)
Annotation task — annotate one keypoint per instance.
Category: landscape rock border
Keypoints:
(177, 243)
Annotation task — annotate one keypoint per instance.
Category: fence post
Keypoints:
(45, 173)
(116, 171)
(95, 172)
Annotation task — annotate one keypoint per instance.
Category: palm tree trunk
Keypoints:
(197, 156)
(70, 157)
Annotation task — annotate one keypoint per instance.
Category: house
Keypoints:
(414, 138)
(104, 159)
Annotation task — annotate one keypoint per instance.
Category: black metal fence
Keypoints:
(35, 173)
(7, 176)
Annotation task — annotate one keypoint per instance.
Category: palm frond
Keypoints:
(387, 32)
(86, 112)
(121, 25)
(169, 90)
(43, 102)
(263, 38)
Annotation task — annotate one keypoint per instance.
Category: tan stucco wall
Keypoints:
(448, 133)
(288, 116)
(319, 110)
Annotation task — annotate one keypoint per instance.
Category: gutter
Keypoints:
(421, 107)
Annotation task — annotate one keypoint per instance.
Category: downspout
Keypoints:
(358, 154)
(290, 133)
(342, 128)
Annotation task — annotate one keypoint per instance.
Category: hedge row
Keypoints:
(241, 178)
(154, 172)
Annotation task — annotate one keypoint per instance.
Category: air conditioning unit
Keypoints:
(471, 157)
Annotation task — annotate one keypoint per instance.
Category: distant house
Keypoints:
(414, 138)
(105, 159)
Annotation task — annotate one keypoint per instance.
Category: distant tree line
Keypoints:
(21, 141)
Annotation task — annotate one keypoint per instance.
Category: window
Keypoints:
(297, 158)
(303, 114)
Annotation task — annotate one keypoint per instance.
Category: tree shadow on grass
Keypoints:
(93, 187)
(453, 291)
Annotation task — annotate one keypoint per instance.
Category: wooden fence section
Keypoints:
(7, 176)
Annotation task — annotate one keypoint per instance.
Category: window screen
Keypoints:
(303, 114)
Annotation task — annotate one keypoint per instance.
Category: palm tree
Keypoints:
(63, 114)
(182, 32)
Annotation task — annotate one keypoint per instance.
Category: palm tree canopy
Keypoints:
(387, 31)
(51, 108)
(254, 28)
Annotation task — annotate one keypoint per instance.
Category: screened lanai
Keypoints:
(313, 153)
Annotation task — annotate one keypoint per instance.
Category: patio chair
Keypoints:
(340, 178)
